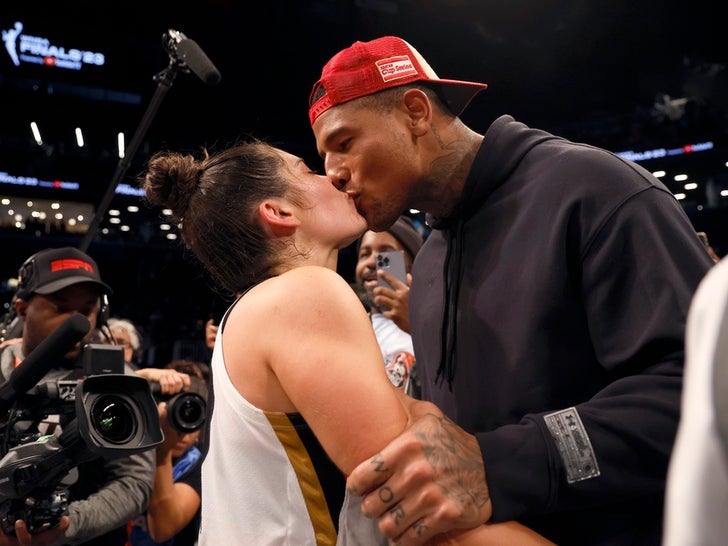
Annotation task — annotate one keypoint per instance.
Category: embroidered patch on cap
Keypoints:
(395, 68)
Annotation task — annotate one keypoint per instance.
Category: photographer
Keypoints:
(55, 284)
(173, 516)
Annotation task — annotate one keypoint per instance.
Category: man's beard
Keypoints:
(366, 297)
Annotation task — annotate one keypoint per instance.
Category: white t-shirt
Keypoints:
(696, 511)
(397, 352)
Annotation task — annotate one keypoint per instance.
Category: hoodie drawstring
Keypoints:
(448, 329)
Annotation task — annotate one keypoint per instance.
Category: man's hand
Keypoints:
(11, 341)
(171, 434)
(170, 381)
(49, 537)
(210, 333)
(427, 481)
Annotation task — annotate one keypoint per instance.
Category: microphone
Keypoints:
(190, 53)
(43, 359)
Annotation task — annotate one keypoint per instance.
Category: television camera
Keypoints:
(103, 413)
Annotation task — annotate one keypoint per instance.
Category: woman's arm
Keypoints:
(319, 343)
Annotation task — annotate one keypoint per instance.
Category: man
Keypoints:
(547, 310)
(388, 308)
(125, 333)
(55, 284)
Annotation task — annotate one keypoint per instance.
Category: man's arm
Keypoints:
(449, 474)
(125, 495)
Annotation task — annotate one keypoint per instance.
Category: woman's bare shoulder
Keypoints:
(300, 291)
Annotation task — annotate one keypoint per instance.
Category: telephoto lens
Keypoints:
(186, 411)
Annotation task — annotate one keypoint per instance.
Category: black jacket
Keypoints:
(571, 272)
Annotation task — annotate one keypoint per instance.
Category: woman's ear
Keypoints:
(278, 216)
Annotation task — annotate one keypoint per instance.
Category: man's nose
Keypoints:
(338, 174)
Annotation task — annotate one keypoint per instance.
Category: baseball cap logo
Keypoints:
(394, 68)
(60, 265)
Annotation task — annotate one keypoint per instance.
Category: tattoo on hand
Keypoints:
(450, 449)
(386, 495)
(397, 514)
(420, 527)
(378, 463)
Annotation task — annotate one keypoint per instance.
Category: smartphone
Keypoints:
(393, 263)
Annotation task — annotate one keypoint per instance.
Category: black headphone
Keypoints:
(25, 273)
(28, 271)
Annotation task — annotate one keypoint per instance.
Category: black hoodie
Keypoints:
(569, 276)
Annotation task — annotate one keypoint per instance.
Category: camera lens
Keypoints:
(187, 411)
(113, 419)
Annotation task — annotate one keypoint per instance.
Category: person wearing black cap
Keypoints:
(53, 285)
(547, 309)
(388, 307)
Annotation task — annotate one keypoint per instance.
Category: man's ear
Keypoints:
(419, 110)
(279, 217)
(20, 307)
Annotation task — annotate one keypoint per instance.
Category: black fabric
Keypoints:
(333, 481)
(576, 271)
(189, 534)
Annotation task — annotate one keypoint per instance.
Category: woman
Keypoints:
(300, 394)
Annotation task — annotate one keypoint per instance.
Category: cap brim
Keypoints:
(456, 94)
(60, 284)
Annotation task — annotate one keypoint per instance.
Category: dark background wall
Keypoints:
(620, 74)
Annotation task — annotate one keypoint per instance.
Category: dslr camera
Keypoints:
(103, 413)
(186, 410)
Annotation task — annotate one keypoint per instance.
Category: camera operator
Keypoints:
(55, 284)
(173, 516)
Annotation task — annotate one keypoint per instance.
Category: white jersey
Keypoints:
(697, 483)
(265, 478)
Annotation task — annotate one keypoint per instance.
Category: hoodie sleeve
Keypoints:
(639, 271)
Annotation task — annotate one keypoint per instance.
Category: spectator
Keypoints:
(125, 333)
(388, 309)
(173, 516)
(547, 309)
(55, 284)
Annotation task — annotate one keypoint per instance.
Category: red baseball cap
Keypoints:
(365, 68)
